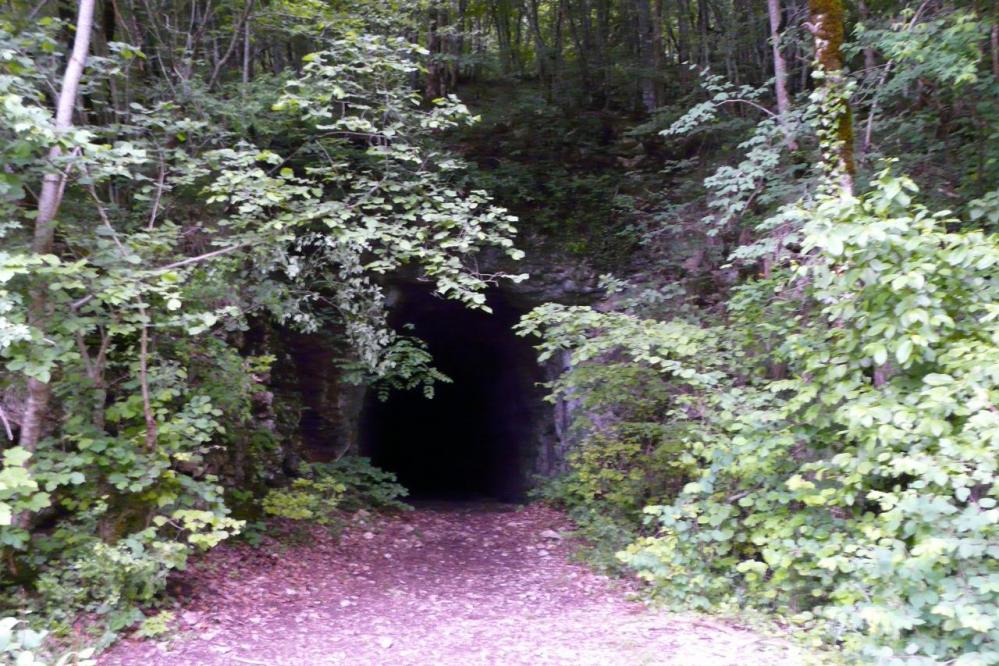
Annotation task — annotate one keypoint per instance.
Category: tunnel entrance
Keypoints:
(473, 439)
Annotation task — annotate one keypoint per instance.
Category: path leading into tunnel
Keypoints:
(447, 585)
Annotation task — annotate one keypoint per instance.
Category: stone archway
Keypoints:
(478, 436)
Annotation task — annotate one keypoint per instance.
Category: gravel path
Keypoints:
(439, 586)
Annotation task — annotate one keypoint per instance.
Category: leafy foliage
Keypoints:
(23, 647)
(793, 409)
(184, 229)
(859, 493)
(349, 484)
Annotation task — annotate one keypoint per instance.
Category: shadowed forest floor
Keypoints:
(444, 584)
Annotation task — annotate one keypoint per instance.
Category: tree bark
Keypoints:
(436, 86)
(49, 199)
(826, 26)
(579, 33)
(501, 19)
(542, 53)
(646, 56)
(683, 36)
(994, 42)
(147, 404)
(780, 74)
(247, 52)
(658, 50)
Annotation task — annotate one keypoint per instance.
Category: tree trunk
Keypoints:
(994, 42)
(826, 25)
(704, 32)
(542, 54)
(579, 33)
(247, 52)
(646, 57)
(436, 86)
(504, 40)
(49, 199)
(683, 36)
(780, 73)
(870, 58)
(658, 51)
(457, 45)
(601, 30)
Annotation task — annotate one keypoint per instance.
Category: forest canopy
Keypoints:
(784, 398)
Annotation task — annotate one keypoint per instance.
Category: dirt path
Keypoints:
(444, 586)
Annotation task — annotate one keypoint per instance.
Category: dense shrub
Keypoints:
(625, 459)
(348, 484)
(858, 495)
(184, 238)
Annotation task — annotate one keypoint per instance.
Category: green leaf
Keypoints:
(903, 351)
(880, 354)
(16, 456)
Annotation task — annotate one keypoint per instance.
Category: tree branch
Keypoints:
(200, 257)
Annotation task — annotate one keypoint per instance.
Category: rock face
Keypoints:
(552, 279)
(570, 281)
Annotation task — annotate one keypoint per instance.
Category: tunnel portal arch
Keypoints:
(477, 437)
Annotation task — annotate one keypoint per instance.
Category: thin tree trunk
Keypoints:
(704, 30)
(147, 405)
(646, 59)
(436, 85)
(780, 74)
(49, 200)
(600, 38)
(247, 53)
(237, 30)
(95, 367)
(108, 25)
(518, 39)
(994, 42)
(501, 19)
(541, 51)
(870, 58)
(558, 39)
(457, 44)
(683, 44)
(658, 50)
(579, 35)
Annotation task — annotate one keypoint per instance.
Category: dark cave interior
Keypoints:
(472, 439)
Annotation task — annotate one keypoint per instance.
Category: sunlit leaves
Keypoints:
(857, 496)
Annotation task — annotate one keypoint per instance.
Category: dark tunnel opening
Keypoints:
(472, 440)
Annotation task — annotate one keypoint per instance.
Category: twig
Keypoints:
(37, 8)
(77, 304)
(232, 45)
(750, 103)
(159, 193)
(200, 257)
(104, 217)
